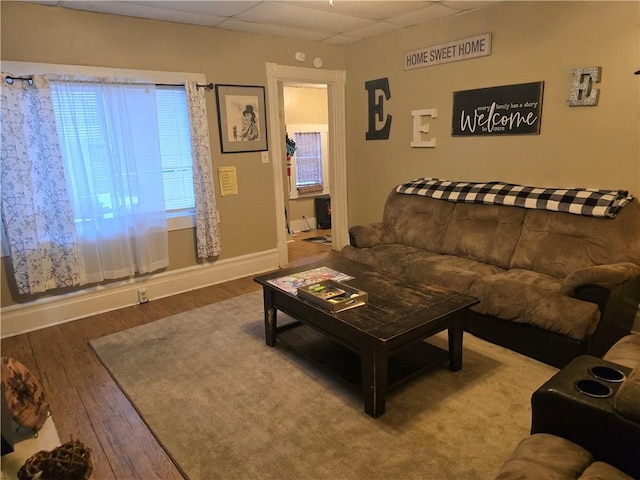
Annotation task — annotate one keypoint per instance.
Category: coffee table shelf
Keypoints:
(408, 363)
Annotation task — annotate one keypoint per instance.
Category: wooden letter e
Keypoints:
(376, 108)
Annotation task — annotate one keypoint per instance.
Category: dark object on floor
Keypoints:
(323, 240)
(323, 212)
(69, 461)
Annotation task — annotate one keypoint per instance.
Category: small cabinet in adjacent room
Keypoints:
(323, 212)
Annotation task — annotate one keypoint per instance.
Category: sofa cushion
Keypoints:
(545, 456)
(392, 258)
(453, 272)
(627, 399)
(603, 471)
(559, 243)
(485, 233)
(625, 351)
(365, 236)
(534, 298)
(418, 221)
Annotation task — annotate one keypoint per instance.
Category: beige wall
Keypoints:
(36, 33)
(304, 105)
(531, 41)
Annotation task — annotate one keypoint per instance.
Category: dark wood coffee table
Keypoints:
(375, 346)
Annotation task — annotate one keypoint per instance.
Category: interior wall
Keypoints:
(48, 34)
(304, 105)
(595, 146)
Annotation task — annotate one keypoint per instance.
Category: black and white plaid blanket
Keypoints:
(580, 201)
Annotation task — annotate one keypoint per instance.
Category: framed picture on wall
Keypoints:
(242, 118)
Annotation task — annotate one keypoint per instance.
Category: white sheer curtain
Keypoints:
(37, 216)
(207, 217)
(112, 157)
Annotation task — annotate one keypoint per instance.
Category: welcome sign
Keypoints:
(506, 110)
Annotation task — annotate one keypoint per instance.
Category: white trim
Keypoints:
(45, 312)
(303, 225)
(335, 81)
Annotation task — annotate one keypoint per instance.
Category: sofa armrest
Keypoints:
(627, 400)
(606, 276)
(365, 236)
(592, 422)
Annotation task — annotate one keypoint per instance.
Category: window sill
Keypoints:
(175, 221)
(181, 220)
(297, 196)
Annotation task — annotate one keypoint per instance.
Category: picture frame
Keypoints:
(242, 118)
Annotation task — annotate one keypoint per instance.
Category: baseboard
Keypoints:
(302, 225)
(45, 312)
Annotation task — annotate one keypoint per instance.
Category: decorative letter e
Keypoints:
(376, 109)
(582, 91)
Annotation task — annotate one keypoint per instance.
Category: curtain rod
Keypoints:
(26, 79)
(208, 86)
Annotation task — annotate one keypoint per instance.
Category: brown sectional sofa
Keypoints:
(552, 285)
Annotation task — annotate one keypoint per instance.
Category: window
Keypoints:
(175, 148)
(309, 174)
(82, 117)
(308, 159)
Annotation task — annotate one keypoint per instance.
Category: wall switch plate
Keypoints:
(265, 157)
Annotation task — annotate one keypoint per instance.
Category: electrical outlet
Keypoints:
(142, 296)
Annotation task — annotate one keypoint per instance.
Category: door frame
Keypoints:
(335, 81)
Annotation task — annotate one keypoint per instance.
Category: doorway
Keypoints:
(277, 76)
(307, 183)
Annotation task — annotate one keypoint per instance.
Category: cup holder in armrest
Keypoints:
(593, 388)
(608, 374)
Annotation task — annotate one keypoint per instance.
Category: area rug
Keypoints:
(322, 240)
(224, 405)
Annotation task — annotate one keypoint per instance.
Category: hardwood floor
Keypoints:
(86, 403)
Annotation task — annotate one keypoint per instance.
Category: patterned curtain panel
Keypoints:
(207, 217)
(37, 216)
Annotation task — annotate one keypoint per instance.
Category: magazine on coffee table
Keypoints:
(333, 296)
(291, 283)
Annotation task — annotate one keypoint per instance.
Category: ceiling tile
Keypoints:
(279, 13)
(274, 30)
(340, 40)
(468, 4)
(213, 8)
(374, 30)
(427, 14)
(374, 10)
(145, 11)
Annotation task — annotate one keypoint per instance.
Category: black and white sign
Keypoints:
(506, 110)
(464, 49)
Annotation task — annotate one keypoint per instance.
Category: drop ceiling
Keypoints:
(344, 22)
